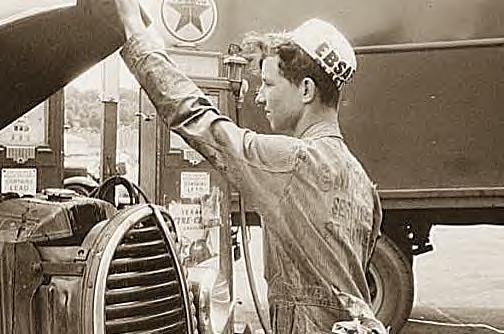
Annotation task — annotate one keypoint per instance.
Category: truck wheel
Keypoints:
(390, 280)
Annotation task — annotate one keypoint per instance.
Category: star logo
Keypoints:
(189, 21)
(190, 12)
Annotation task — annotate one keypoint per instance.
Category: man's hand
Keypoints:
(131, 16)
(355, 327)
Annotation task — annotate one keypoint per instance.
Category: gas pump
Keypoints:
(196, 196)
(31, 154)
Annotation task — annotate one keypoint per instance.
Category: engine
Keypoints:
(73, 264)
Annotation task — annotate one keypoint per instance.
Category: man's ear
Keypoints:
(308, 89)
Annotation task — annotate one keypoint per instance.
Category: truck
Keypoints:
(422, 114)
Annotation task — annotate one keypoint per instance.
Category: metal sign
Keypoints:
(186, 216)
(193, 157)
(19, 180)
(197, 64)
(28, 130)
(189, 21)
(194, 184)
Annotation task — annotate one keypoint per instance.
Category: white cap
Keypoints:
(328, 47)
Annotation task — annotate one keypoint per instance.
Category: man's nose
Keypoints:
(259, 99)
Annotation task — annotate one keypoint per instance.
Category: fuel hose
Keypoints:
(244, 86)
(248, 266)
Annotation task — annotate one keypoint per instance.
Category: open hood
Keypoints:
(44, 44)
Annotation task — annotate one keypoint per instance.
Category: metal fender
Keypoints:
(81, 180)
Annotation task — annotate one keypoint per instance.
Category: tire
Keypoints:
(390, 280)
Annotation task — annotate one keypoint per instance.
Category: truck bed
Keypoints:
(429, 116)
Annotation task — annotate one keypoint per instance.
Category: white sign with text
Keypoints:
(194, 184)
(19, 180)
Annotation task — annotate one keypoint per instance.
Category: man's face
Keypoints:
(281, 99)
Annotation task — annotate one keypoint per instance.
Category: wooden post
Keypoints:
(110, 99)
(108, 140)
(148, 155)
(54, 136)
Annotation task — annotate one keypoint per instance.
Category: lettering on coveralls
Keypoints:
(344, 210)
(349, 221)
(341, 181)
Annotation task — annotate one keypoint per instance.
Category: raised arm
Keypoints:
(246, 159)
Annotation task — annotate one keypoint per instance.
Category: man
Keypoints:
(321, 211)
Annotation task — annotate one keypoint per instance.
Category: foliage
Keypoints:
(84, 109)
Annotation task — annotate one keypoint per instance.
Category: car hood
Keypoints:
(44, 44)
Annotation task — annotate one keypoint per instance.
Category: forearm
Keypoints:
(246, 159)
(175, 97)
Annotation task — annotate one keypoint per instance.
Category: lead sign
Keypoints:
(19, 180)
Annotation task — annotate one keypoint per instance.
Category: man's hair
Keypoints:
(294, 64)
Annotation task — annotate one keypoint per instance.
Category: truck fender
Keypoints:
(80, 180)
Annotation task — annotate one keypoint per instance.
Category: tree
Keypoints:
(84, 108)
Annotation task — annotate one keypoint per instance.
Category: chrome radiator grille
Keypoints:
(143, 292)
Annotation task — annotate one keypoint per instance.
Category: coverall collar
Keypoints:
(321, 129)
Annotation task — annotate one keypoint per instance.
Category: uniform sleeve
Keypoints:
(260, 165)
(376, 228)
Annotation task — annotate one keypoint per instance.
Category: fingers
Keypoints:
(128, 8)
(131, 16)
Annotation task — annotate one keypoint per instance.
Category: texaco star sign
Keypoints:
(189, 21)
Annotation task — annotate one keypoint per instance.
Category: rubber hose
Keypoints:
(248, 265)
